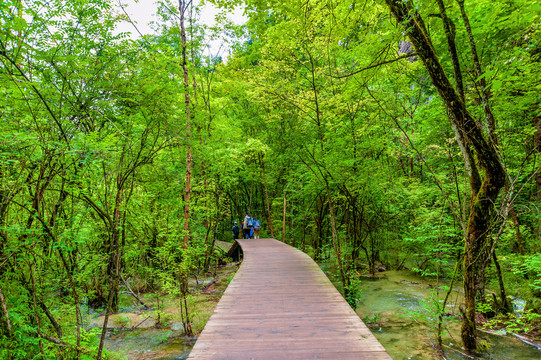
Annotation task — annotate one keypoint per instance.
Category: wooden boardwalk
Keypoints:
(281, 306)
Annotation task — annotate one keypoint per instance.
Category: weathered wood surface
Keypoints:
(235, 251)
(224, 246)
(280, 305)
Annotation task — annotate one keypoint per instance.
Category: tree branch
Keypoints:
(405, 56)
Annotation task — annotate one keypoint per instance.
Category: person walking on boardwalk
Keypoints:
(247, 226)
(257, 227)
(235, 229)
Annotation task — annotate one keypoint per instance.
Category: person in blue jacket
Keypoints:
(247, 226)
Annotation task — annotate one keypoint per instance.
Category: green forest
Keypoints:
(371, 134)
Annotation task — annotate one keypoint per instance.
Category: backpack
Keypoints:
(249, 223)
(257, 224)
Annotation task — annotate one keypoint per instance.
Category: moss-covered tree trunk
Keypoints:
(483, 200)
(537, 142)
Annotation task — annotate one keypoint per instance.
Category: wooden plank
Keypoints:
(224, 246)
(280, 305)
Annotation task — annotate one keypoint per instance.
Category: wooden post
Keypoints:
(284, 222)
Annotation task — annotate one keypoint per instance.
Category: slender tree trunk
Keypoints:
(114, 265)
(76, 301)
(516, 224)
(36, 314)
(335, 241)
(450, 35)
(537, 144)
(4, 316)
(316, 243)
(108, 313)
(284, 222)
(269, 217)
(188, 190)
(444, 305)
(482, 89)
(503, 297)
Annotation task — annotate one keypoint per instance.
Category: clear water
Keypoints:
(398, 306)
(162, 344)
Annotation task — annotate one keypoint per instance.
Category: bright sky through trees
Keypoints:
(143, 12)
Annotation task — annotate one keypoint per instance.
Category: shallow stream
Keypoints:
(157, 333)
(147, 344)
(397, 307)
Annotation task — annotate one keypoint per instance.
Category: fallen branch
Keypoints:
(522, 338)
(461, 352)
(134, 294)
(528, 341)
(61, 342)
(136, 326)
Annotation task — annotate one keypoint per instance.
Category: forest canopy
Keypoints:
(377, 134)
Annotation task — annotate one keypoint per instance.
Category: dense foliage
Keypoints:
(332, 108)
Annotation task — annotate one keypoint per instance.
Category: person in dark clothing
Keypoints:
(235, 229)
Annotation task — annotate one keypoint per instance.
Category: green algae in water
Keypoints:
(397, 297)
(155, 344)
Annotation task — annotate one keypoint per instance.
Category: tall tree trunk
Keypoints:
(183, 5)
(188, 190)
(537, 144)
(113, 266)
(335, 240)
(505, 307)
(35, 304)
(450, 35)
(4, 317)
(269, 217)
(519, 241)
(482, 84)
(284, 222)
(108, 313)
(487, 155)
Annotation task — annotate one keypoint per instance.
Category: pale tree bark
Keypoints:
(485, 151)
(336, 242)
(284, 222)
(4, 316)
(269, 217)
(183, 6)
